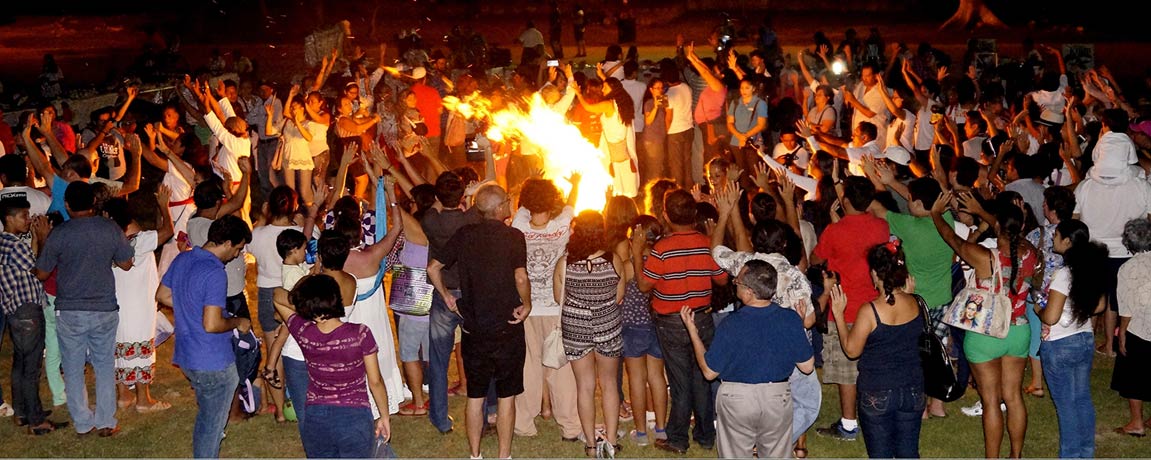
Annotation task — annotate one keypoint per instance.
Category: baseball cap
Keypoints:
(418, 73)
(897, 154)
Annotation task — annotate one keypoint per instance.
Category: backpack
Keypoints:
(456, 132)
(247, 349)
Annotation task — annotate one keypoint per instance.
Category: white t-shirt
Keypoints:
(901, 132)
(856, 153)
(874, 101)
(40, 201)
(679, 101)
(227, 158)
(1067, 326)
(973, 148)
(801, 154)
(531, 38)
(1107, 208)
(268, 260)
(545, 247)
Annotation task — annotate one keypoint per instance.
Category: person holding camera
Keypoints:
(746, 120)
(653, 156)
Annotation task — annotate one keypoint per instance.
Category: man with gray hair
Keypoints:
(494, 301)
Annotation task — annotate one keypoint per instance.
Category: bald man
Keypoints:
(495, 298)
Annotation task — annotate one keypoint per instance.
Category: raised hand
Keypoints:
(838, 301)
(133, 92)
(941, 73)
(688, 316)
(245, 164)
(163, 196)
(942, 202)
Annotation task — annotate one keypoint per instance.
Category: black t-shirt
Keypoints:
(440, 226)
(487, 254)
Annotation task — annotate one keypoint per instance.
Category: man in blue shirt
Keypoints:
(754, 356)
(82, 251)
(195, 286)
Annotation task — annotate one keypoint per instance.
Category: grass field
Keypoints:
(169, 433)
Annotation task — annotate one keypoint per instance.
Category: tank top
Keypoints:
(890, 359)
(614, 130)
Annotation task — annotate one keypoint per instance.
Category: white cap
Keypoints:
(418, 73)
(897, 154)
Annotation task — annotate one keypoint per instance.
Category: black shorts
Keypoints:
(495, 359)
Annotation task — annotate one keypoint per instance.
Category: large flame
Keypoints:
(560, 145)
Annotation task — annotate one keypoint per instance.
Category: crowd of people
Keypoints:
(767, 216)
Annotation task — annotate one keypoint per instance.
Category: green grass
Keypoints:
(169, 433)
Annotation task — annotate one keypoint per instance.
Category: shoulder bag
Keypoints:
(553, 353)
(983, 309)
(939, 380)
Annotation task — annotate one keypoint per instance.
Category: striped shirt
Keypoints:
(18, 286)
(682, 269)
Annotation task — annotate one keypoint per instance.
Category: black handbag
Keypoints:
(939, 380)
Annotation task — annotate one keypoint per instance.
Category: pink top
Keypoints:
(710, 105)
(336, 372)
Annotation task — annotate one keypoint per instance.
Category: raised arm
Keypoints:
(40, 162)
(688, 317)
(165, 228)
(803, 67)
(702, 69)
(132, 91)
(133, 172)
(236, 201)
(45, 128)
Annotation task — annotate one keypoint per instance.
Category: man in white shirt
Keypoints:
(976, 131)
(863, 143)
(533, 42)
(680, 134)
(790, 151)
(867, 104)
(13, 175)
(636, 90)
(1111, 195)
(235, 143)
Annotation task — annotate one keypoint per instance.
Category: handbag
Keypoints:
(939, 379)
(411, 293)
(983, 310)
(553, 353)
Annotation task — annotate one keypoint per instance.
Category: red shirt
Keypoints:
(430, 105)
(682, 269)
(844, 246)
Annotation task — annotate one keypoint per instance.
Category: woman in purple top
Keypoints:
(340, 357)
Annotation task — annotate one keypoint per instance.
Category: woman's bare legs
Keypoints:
(987, 375)
(607, 370)
(1012, 391)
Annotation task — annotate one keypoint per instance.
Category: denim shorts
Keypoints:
(266, 309)
(414, 337)
(639, 341)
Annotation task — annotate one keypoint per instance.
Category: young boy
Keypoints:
(292, 246)
(23, 306)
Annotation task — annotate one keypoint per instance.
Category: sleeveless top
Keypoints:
(614, 129)
(590, 284)
(890, 359)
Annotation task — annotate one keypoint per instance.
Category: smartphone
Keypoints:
(553, 63)
(182, 237)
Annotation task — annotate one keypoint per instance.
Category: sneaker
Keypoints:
(974, 410)
(658, 434)
(640, 439)
(6, 410)
(836, 431)
(604, 449)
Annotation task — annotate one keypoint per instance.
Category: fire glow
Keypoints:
(559, 144)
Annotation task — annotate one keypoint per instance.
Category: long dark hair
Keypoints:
(622, 99)
(890, 266)
(1010, 220)
(1087, 260)
(587, 236)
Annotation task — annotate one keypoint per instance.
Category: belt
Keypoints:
(174, 204)
(676, 314)
(268, 139)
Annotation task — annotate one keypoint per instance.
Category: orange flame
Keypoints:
(558, 143)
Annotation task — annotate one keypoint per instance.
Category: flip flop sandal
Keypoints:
(272, 376)
(155, 407)
(1134, 434)
(800, 452)
(410, 409)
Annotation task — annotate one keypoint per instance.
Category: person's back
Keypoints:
(440, 226)
(890, 359)
(487, 259)
(83, 250)
(844, 245)
(1106, 207)
(189, 277)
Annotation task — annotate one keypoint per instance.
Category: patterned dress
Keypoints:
(591, 317)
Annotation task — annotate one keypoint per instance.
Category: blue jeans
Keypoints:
(89, 337)
(214, 393)
(891, 420)
(1067, 368)
(296, 382)
(443, 339)
(690, 392)
(806, 398)
(338, 432)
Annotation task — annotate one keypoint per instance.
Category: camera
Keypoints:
(473, 152)
(553, 63)
(310, 253)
